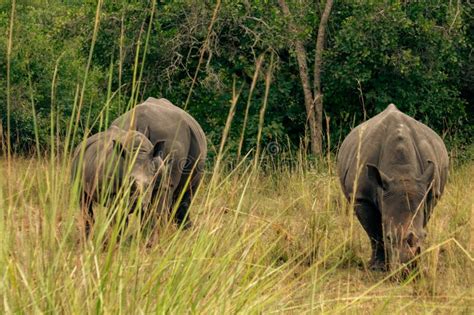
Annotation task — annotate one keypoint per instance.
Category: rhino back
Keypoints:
(385, 140)
(197, 145)
(164, 120)
(168, 108)
(184, 138)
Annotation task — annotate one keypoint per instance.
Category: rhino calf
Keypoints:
(184, 149)
(394, 169)
(106, 161)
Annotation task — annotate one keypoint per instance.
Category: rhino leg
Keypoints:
(371, 220)
(182, 217)
(87, 212)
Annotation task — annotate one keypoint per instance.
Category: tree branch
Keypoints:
(318, 59)
(303, 70)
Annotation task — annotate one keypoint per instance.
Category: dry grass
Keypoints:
(276, 241)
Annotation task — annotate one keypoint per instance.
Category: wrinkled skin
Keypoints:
(184, 150)
(394, 169)
(107, 161)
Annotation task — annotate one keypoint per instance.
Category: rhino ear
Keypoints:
(158, 149)
(375, 174)
(428, 175)
(119, 149)
(147, 132)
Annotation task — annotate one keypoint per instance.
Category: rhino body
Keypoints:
(394, 169)
(184, 149)
(106, 161)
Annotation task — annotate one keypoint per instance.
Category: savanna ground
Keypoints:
(273, 239)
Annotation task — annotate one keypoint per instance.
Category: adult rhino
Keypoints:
(107, 161)
(394, 168)
(184, 149)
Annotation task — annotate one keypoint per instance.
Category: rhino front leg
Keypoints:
(87, 213)
(371, 220)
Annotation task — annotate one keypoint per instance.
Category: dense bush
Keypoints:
(417, 55)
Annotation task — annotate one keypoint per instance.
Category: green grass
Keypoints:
(280, 241)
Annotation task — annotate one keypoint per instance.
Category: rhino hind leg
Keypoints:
(182, 216)
(370, 219)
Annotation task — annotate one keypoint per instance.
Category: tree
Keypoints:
(313, 98)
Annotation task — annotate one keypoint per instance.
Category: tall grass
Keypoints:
(273, 236)
(261, 242)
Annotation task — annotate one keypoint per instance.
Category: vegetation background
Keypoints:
(415, 54)
(272, 232)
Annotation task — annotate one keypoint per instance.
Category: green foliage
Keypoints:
(44, 40)
(414, 54)
(407, 54)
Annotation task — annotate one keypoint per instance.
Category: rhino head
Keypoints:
(401, 200)
(143, 165)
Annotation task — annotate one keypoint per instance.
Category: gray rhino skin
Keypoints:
(394, 168)
(184, 148)
(103, 162)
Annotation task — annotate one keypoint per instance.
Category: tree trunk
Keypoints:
(318, 96)
(303, 70)
(313, 99)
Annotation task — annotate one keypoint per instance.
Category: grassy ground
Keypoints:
(277, 241)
